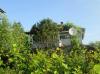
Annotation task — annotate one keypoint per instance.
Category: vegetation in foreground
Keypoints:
(16, 56)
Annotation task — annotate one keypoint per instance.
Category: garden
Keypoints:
(16, 57)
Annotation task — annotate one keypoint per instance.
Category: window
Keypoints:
(64, 36)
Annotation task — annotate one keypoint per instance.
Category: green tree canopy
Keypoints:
(5, 34)
(46, 30)
(11, 34)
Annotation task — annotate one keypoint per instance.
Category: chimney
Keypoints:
(61, 23)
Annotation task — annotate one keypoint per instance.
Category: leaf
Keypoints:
(97, 68)
(54, 55)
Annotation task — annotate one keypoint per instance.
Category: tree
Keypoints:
(19, 38)
(95, 44)
(46, 30)
(5, 35)
(12, 35)
(2, 11)
(2, 15)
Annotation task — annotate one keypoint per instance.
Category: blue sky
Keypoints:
(85, 13)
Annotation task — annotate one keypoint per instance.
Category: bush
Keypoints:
(16, 56)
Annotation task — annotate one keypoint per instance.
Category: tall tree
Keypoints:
(46, 31)
(5, 34)
(19, 37)
(2, 11)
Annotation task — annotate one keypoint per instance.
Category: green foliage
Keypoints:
(97, 68)
(16, 58)
(45, 31)
(95, 44)
(4, 35)
(18, 36)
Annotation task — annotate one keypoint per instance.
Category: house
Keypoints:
(63, 39)
(65, 36)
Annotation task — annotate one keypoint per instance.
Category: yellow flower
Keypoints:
(57, 49)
